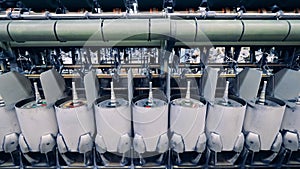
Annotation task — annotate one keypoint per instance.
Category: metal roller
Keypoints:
(22, 31)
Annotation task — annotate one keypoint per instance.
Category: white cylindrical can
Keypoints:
(150, 122)
(74, 121)
(291, 119)
(8, 123)
(265, 121)
(226, 120)
(188, 120)
(112, 121)
(35, 121)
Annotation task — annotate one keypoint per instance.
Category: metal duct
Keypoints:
(294, 34)
(123, 29)
(219, 30)
(267, 30)
(233, 31)
(4, 36)
(22, 31)
(78, 30)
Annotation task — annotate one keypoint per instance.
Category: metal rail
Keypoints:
(107, 76)
(178, 15)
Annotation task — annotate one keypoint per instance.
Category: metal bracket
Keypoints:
(168, 6)
(131, 6)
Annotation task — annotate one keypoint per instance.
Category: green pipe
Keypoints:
(202, 31)
(78, 30)
(34, 30)
(4, 36)
(125, 29)
(265, 30)
(294, 34)
(219, 30)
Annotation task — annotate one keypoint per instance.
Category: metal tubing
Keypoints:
(209, 31)
(219, 30)
(294, 33)
(123, 29)
(161, 15)
(33, 30)
(265, 30)
(4, 36)
(78, 30)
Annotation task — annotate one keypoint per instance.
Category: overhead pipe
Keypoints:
(210, 31)
(201, 15)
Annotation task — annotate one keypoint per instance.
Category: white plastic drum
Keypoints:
(291, 119)
(150, 122)
(188, 120)
(265, 121)
(8, 123)
(74, 121)
(226, 120)
(35, 122)
(112, 121)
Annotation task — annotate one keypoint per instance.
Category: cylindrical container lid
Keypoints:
(193, 102)
(271, 102)
(108, 103)
(68, 103)
(230, 103)
(145, 103)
